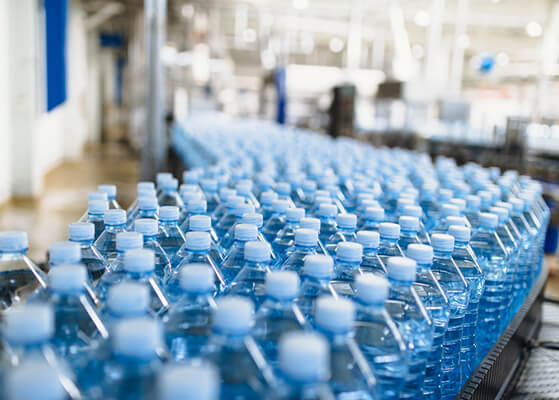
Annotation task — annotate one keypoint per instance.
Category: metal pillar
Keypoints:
(154, 150)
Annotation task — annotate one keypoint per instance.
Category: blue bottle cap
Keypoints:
(147, 203)
(197, 278)
(318, 266)
(294, 215)
(501, 213)
(64, 253)
(412, 210)
(31, 323)
(34, 379)
(115, 217)
(144, 192)
(445, 195)
(334, 315)
(409, 223)
(486, 198)
(280, 206)
(349, 252)
(488, 220)
(310, 223)
(402, 269)
(243, 209)
(304, 356)
(460, 203)
(267, 198)
(162, 176)
(225, 193)
(371, 289)
(442, 242)
(67, 278)
(244, 188)
(186, 197)
(246, 232)
(504, 204)
(169, 213)
(346, 221)
(145, 186)
(197, 206)
(257, 252)
(234, 201)
(517, 205)
(306, 237)
(374, 214)
(97, 206)
(253, 219)
(449, 210)
(460, 233)
(308, 186)
(282, 285)
(139, 260)
(189, 382)
(188, 188)
(473, 203)
(327, 210)
(455, 221)
(421, 253)
(11, 241)
(140, 338)
(80, 231)
(129, 240)
(389, 230)
(192, 177)
(169, 184)
(368, 239)
(233, 315)
(103, 196)
(128, 298)
(283, 188)
(146, 226)
(209, 185)
(199, 223)
(109, 189)
(198, 241)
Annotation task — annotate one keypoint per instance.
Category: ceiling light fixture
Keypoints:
(336, 45)
(533, 29)
(422, 18)
(300, 4)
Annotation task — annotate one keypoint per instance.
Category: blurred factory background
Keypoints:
(90, 88)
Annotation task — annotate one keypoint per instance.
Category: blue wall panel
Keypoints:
(56, 14)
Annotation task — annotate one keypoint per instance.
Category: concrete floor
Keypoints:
(64, 198)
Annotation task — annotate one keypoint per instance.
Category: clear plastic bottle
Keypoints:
(447, 210)
(412, 210)
(142, 188)
(412, 319)
(315, 282)
(372, 218)
(19, 276)
(244, 189)
(147, 208)
(305, 195)
(250, 281)
(125, 241)
(466, 261)
(345, 232)
(458, 293)
(170, 236)
(95, 215)
(188, 382)
(347, 266)
(209, 187)
(388, 245)
(234, 259)
(169, 195)
(371, 261)
(276, 221)
(327, 215)
(95, 196)
(473, 205)
(351, 376)
(83, 233)
(203, 223)
(278, 314)
(409, 227)
(33, 379)
(227, 240)
(221, 209)
(111, 195)
(229, 218)
(149, 228)
(436, 303)
(126, 300)
(492, 256)
(230, 344)
(306, 243)
(188, 323)
(266, 204)
(429, 205)
(378, 337)
(115, 222)
(285, 237)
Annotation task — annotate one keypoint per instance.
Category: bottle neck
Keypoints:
(389, 241)
(423, 267)
(116, 227)
(370, 251)
(346, 230)
(14, 253)
(168, 222)
(82, 242)
(442, 254)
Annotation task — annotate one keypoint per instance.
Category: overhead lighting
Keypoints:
(533, 29)
(187, 11)
(502, 58)
(422, 18)
(300, 4)
(336, 45)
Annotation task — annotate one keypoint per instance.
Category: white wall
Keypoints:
(5, 123)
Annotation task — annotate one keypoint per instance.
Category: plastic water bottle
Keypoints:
(169, 195)
(220, 210)
(196, 250)
(436, 303)
(234, 259)
(278, 314)
(347, 265)
(188, 382)
(351, 376)
(388, 245)
(131, 371)
(305, 196)
(244, 189)
(412, 210)
(34, 379)
(170, 236)
(192, 207)
(315, 282)
(126, 300)
(314, 224)
(229, 218)
(83, 233)
(409, 227)
(147, 208)
(372, 218)
(227, 240)
(95, 196)
(141, 187)
(95, 215)
(458, 293)
(76, 319)
(466, 261)
(378, 337)
(139, 265)
(285, 237)
(266, 204)
(304, 367)
(115, 222)
(125, 241)
(412, 319)
(283, 189)
(257, 220)
(19, 275)
(149, 229)
(327, 215)
(188, 195)
(209, 187)
(473, 205)
(231, 345)
(276, 221)
(202, 223)
(447, 210)
(492, 258)
(371, 263)
(111, 195)
(188, 323)
(306, 243)
(346, 226)
(428, 203)
(250, 281)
